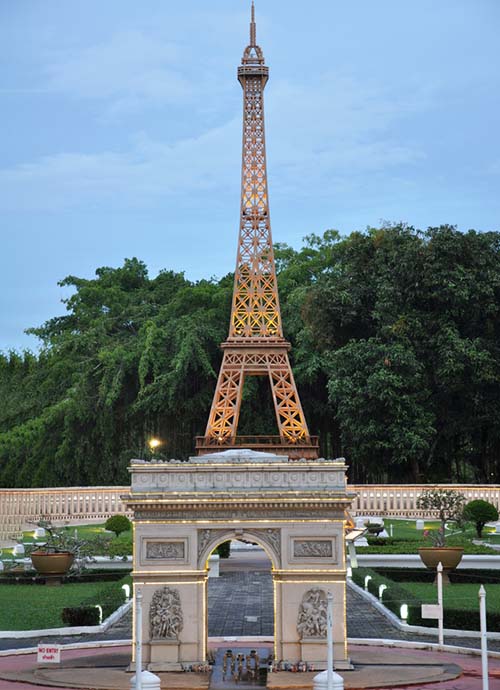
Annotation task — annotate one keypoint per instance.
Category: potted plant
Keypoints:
(449, 505)
(62, 550)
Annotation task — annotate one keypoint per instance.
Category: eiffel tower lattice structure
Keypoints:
(255, 345)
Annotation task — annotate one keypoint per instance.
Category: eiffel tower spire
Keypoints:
(255, 345)
(253, 30)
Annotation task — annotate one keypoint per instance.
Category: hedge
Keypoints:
(109, 599)
(391, 545)
(75, 616)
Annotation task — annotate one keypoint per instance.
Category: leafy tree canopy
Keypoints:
(396, 353)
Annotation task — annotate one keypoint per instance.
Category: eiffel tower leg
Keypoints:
(225, 412)
(289, 415)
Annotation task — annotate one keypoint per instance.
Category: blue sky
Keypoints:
(121, 130)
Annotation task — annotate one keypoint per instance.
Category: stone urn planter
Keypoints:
(449, 556)
(49, 563)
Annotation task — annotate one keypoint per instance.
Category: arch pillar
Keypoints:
(293, 509)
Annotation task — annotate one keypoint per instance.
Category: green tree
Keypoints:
(480, 512)
(118, 524)
(395, 348)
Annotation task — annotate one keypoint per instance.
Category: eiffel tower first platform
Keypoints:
(255, 345)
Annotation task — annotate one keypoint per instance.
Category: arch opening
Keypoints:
(240, 588)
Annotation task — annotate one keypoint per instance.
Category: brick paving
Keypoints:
(240, 604)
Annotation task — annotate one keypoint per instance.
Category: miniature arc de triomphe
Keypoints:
(295, 510)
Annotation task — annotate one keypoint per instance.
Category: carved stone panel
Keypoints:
(165, 614)
(312, 548)
(311, 621)
(166, 551)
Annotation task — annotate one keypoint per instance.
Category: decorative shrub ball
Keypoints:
(118, 524)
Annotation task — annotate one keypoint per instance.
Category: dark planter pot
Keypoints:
(47, 563)
(449, 556)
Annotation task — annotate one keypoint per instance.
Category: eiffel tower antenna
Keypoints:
(255, 345)
(253, 30)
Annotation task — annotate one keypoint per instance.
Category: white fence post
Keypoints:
(138, 639)
(440, 602)
(484, 639)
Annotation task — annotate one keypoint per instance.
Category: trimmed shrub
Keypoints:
(383, 541)
(75, 616)
(394, 596)
(480, 577)
(110, 598)
(118, 524)
(480, 512)
(120, 547)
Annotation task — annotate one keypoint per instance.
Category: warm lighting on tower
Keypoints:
(154, 443)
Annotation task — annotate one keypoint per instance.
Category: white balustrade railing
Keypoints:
(400, 500)
(21, 506)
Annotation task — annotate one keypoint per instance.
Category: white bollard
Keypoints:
(484, 637)
(440, 602)
(138, 639)
(320, 681)
(419, 524)
(99, 608)
(18, 550)
(39, 533)
(329, 641)
(141, 680)
(148, 682)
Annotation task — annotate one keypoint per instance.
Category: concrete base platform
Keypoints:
(375, 669)
(106, 670)
(100, 672)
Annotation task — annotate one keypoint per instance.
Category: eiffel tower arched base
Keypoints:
(269, 359)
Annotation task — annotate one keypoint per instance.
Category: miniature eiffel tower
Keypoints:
(255, 345)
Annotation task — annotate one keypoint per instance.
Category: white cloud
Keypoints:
(149, 171)
(130, 69)
(324, 136)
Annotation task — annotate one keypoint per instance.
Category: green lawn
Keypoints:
(406, 529)
(408, 539)
(30, 607)
(456, 595)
